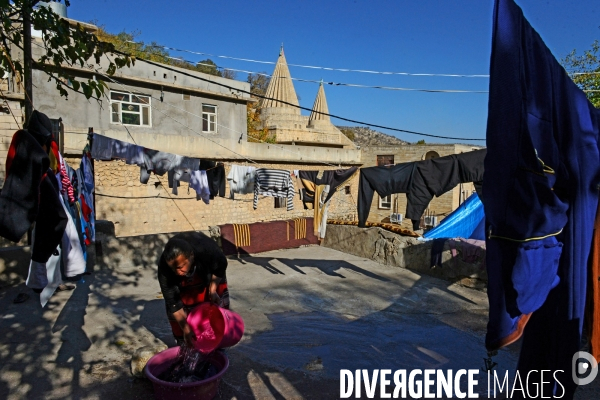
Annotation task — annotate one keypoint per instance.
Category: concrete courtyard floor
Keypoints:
(308, 312)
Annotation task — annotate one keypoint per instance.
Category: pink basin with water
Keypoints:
(202, 390)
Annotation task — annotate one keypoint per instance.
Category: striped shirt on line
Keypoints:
(274, 183)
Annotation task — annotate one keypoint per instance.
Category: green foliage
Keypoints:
(258, 87)
(422, 141)
(585, 71)
(349, 133)
(63, 45)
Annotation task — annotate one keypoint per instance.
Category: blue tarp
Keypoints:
(467, 221)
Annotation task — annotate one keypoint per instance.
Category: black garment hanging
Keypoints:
(51, 220)
(215, 174)
(333, 178)
(437, 176)
(384, 181)
(26, 164)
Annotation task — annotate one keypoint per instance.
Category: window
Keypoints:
(129, 109)
(385, 203)
(385, 160)
(280, 202)
(347, 189)
(209, 118)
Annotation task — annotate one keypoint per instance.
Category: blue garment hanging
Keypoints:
(540, 195)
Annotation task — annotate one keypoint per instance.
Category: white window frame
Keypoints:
(385, 203)
(209, 119)
(129, 100)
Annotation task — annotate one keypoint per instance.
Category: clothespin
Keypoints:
(488, 362)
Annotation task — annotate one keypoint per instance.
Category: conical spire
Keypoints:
(281, 87)
(320, 106)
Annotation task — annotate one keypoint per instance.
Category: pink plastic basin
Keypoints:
(215, 327)
(202, 390)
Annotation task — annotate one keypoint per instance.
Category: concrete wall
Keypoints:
(172, 116)
(439, 206)
(138, 209)
(391, 249)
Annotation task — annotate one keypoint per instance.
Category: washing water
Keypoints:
(190, 366)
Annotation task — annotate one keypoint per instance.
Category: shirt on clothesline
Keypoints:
(274, 183)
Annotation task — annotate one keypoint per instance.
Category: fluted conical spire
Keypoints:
(281, 87)
(320, 106)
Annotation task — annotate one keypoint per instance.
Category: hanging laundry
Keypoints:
(383, 180)
(53, 276)
(215, 173)
(540, 198)
(102, 147)
(160, 162)
(334, 178)
(321, 206)
(88, 173)
(199, 182)
(315, 184)
(106, 149)
(66, 186)
(131, 153)
(20, 196)
(72, 252)
(241, 180)
(274, 183)
(436, 176)
(50, 222)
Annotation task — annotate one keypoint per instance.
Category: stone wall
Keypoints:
(394, 250)
(139, 209)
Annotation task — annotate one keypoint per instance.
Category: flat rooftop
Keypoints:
(309, 312)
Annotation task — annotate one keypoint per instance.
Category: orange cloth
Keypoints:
(593, 293)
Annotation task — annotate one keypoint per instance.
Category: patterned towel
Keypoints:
(241, 233)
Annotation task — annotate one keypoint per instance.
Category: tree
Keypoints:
(258, 83)
(258, 87)
(585, 71)
(349, 133)
(63, 45)
(421, 142)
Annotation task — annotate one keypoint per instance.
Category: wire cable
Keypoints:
(335, 83)
(222, 126)
(304, 108)
(317, 67)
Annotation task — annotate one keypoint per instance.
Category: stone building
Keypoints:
(281, 116)
(178, 111)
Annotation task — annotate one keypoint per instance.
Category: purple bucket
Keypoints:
(202, 390)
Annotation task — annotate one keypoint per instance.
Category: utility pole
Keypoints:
(27, 62)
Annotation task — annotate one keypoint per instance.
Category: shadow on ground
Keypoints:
(309, 312)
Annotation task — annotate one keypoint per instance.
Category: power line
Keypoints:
(300, 107)
(198, 133)
(337, 83)
(205, 119)
(318, 67)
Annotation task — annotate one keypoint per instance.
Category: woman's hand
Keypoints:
(189, 336)
(214, 298)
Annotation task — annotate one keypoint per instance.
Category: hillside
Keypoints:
(364, 137)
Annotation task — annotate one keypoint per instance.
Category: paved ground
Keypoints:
(309, 312)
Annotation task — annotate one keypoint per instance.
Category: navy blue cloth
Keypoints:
(540, 192)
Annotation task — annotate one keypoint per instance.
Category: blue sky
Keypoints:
(416, 36)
